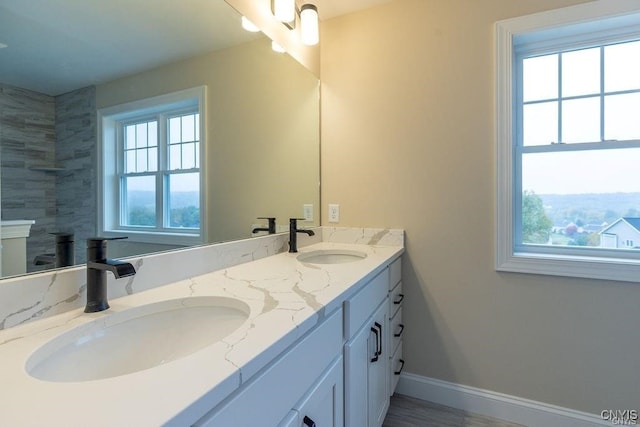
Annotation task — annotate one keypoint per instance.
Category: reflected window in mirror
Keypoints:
(151, 182)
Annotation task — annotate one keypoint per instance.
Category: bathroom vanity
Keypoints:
(303, 338)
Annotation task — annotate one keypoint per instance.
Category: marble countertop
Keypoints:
(287, 298)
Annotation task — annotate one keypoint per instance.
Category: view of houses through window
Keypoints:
(579, 147)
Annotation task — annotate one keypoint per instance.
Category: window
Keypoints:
(568, 142)
(151, 181)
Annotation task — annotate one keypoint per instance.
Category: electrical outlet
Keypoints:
(334, 213)
(308, 212)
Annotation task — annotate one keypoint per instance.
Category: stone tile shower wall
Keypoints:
(27, 143)
(76, 147)
(38, 133)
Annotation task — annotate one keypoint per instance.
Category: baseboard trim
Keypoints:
(497, 405)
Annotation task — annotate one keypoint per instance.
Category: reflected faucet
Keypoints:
(293, 234)
(272, 225)
(97, 267)
(65, 252)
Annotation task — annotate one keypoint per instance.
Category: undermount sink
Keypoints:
(137, 339)
(331, 256)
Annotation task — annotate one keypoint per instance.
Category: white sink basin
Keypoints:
(137, 339)
(331, 256)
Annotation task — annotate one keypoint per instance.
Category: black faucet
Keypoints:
(272, 225)
(97, 267)
(293, 234)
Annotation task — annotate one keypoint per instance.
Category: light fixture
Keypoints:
(309, 27)
(249, 26)
(284, 10)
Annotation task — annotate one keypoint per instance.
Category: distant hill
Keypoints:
(583, 209)
(180, 199)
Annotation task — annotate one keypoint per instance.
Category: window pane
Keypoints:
(140, 194)
(141, 160)
(184, 200)
(622, 116)
(130, 136)
(188, 128)
(581, 72)
(197, 125)
(141, 135)
(581, 193)
(540, 78)
(175, 160)
(622, 67)
(188, 156)
(581, 120)
(540, 123)
(130, 161)
(153, 134)
(174, 130)
(153, 159)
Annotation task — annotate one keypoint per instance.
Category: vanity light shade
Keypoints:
(276, 47)
(249, 26)
(309, 26)
(284, 10)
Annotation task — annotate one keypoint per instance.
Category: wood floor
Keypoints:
(409, 412)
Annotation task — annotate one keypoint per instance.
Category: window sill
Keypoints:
(177, 239)
(616, 269)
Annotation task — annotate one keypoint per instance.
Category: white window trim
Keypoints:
(506, 256)
(107, 118)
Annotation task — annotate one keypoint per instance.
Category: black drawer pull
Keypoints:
(375, 356)
(401, 330)
(401, 367)
(400, 300)
(308, 422)
(379, 351)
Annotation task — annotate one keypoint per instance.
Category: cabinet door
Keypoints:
(323, 405)
(356, 355)
(378, 370)
(366, 365)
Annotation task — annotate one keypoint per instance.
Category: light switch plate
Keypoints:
(334, 213)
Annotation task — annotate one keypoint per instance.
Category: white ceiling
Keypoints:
(55, 46)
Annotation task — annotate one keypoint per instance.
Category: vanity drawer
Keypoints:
(395, 300)
(298, 369)
(395, 369)
(396, 331)
(395, 273)
(358, 308)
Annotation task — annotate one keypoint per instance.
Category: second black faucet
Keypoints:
(293, 234)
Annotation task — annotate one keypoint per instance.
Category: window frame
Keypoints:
(110, 165)
(568, 26)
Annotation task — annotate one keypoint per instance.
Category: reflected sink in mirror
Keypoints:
(331, 256)
(137, 339)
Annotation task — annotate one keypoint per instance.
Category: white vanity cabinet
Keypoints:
(396, 326)
(366, 355)
(304, 378)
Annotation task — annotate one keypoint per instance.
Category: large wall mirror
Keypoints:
(62, 63)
